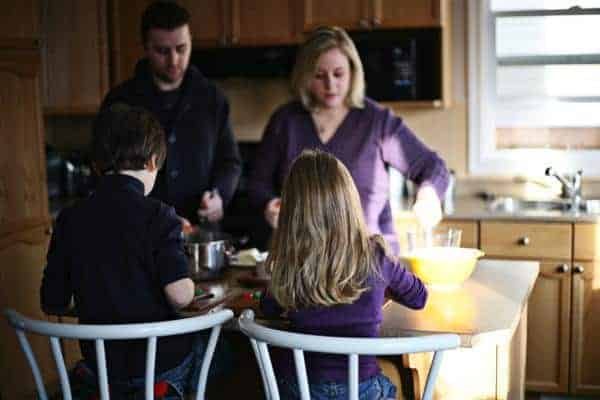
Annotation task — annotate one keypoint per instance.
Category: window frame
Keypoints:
(484, 158)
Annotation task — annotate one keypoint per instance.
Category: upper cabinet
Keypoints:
(348, 14)
(20, 24)
(407, 13)
(211, 26)
(372, 14)
(23, 194)
(74, 56)
(242, 23)
(264, 22)
(214, 23)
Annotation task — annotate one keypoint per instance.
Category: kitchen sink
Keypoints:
(515, 205)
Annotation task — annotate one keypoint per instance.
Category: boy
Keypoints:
(120, 256)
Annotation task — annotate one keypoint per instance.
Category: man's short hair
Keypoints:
(126, 137)
(163, 14)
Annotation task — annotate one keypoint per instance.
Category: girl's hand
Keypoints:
(428, 207)
(272, 212)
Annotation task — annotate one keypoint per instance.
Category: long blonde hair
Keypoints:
(321, 253)
(320, 41)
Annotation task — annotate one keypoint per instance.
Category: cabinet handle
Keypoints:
(563, 268)
(376, 21)
(524, 241)
(363, 23)
(48, 231)
(578, 269)
(234, 39)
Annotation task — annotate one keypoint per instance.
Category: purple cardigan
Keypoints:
(359, 319)
(367, 141)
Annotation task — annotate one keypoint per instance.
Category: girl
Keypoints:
(330, 275)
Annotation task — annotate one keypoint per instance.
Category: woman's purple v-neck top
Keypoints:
(367, 141)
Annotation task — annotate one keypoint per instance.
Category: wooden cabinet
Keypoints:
(549, 329)
(20, 24)
(526, 240)
(243, 22)
(585, 325)
(214, 23)
(564, 317)
(22, 260)
(372, 14)
(23, 192)
(264, 22)
(348, 14)
(74, 56)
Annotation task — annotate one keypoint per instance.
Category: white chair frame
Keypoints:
(262, 336)
(99, 333)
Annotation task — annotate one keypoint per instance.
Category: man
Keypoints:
(203, 163)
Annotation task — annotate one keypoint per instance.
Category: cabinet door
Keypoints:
(585, 374)
(348, 14)
(20, 24)
(548, 329)
(22, 259)
(126, 42)
(23, 192)
(75, 56)
(406, 13)
(210, 21)
(264, 22)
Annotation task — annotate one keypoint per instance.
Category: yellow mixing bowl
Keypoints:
(443, 266)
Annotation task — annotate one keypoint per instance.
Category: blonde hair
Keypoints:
(321, 253)
(320, 41)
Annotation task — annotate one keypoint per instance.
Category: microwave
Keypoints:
(401, 65)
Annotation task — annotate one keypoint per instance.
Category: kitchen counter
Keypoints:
(489, 312)
(466, 208)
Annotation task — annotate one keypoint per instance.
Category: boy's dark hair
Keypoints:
(163, 14)
(126, 137)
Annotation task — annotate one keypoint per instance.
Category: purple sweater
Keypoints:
(367, 141)
(359, 319)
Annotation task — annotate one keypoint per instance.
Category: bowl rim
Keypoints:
(471, 253)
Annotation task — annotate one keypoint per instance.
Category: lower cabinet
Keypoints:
(22, 260)
(564, 308)
(549, 329)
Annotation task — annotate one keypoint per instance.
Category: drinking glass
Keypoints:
(438, 237)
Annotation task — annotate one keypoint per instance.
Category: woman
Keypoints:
(332, 114)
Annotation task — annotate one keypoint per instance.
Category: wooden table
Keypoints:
(489, 312)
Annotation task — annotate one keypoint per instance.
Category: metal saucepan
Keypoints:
(208, 252)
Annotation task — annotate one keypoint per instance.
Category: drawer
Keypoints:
(531, 240)
(587, 241)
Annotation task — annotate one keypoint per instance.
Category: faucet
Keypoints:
(570, 186)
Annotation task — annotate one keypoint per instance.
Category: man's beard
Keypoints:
(166, 78)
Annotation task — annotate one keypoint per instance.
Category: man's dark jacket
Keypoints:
(202, 153)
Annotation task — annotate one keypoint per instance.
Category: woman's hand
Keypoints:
(428, 207)
(272, 212)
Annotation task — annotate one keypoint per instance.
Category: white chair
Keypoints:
(261, 336)
(100, 333)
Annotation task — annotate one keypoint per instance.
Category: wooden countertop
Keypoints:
(486, 308)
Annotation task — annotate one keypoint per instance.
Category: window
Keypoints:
(534, 86)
